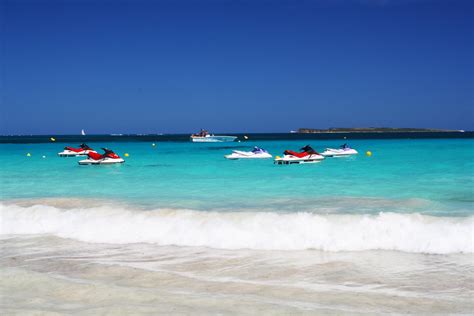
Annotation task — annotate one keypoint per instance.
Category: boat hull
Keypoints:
(103, 161)
(289, 159)
(247, 155)
(213, 139)
(70, 153)
(331, 152)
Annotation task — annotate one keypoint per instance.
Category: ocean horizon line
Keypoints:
(243, 137)
(354, 130)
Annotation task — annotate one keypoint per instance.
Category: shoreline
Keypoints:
(58, 275)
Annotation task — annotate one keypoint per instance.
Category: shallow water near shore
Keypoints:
(179, 229)
(64, 276)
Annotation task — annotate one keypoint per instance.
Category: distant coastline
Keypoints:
(243, 137)
(375, 130)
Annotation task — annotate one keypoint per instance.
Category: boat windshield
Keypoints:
(308, 149)
(258, 150)
(107, 151)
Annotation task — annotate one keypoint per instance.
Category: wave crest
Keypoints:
(251, 230)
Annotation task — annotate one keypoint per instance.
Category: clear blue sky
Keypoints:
(228, 66)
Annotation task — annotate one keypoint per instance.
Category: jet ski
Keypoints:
(307, 155)
(107, 158)
(254, 154)
(83, 150)
(342, 151)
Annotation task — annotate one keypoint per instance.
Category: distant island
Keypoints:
(375, 130)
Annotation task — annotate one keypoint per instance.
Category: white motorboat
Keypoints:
(308, 155)
(107, 158)
(204, 137)
(343, 151)
(83, 150)
(212, 139)
(256, 153)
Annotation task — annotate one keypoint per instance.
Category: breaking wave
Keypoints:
(250, 230)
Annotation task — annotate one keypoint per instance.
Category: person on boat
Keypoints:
(201, 133)
(344, 146)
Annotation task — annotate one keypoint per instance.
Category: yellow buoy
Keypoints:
(126, 155)
(28, 155)
(246, 137)
(368, 153)
(53, 139)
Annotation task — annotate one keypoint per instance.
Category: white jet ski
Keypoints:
(308, 155)
(107, 158)
(256, 153)
(83, 150)
(343, 151)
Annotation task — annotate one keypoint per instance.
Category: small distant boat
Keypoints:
(212, 139)
(83, 133)
(343, 151)
(204, 137)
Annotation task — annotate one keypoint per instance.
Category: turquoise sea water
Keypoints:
(430, 176)
(178, 229)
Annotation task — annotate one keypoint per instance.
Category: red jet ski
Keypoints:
(107, 158)
(307, 155)
(83, 150)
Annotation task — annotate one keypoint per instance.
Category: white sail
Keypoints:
(83, 133)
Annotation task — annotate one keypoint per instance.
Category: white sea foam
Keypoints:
(252, 230)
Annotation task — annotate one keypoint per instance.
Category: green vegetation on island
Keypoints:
(375, 130)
